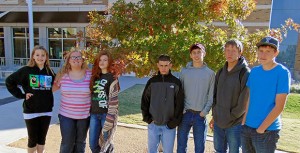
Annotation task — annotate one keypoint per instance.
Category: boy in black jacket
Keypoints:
(162, 106)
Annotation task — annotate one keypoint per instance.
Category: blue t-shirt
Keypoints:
(263, 86)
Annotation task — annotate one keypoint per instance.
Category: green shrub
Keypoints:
(295, 88)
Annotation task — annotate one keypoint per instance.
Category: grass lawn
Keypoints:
(290, 133)
(130, 112)
(130, 105)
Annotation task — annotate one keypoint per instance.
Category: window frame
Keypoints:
(2, 37)
(62, 40)
(26, 38)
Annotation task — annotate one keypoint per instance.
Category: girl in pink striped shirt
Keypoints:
(73, 81)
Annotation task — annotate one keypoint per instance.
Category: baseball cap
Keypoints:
(196, 46)
(271, 41)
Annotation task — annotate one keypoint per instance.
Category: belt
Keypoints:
(193, 111)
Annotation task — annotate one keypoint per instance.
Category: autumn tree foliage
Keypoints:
(137, 33)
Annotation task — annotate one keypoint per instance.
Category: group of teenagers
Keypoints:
(246, 106)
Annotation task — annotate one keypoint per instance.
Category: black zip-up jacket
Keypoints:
(35, 81)
(162, 100)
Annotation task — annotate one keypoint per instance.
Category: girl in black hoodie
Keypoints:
(36, 80)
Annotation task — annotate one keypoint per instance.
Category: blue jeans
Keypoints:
(199, 125)
(96, 125)
(227, 138)
(253, 142)
(73, 133)
(157, 133)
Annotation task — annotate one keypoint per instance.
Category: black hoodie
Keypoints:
(35, 81)
(230, 94)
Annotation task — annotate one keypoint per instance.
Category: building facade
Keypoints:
(56, 26)
(57, 22)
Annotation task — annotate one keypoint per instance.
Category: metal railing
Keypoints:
(8, 66)
(5, 74)
(5, 62)
(56, 63)
(20, 61)
(2, 61)
(17, 62)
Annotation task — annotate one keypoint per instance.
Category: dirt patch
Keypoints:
(127, 140)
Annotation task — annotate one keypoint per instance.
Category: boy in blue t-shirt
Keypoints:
(269, 85)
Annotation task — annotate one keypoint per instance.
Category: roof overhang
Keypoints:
(46, 17)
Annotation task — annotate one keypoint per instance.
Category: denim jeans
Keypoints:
(199, 125)
(73, 133)
(253, 142)
(157, 133)
(227, 138)
(96, 125)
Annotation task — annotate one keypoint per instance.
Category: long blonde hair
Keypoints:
(66, 68)
(32, 63)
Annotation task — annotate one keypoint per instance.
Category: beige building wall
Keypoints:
(43, 2)
(259, 19)
(264, 2)
(260, 15)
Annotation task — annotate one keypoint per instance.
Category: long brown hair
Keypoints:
(66, 68)
(32, 63)
(96, 71)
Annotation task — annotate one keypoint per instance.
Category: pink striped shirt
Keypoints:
(75, 97)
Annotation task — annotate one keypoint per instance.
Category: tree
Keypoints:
(287, 57)
(137, 33)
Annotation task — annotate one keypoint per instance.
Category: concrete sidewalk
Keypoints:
(12, 126)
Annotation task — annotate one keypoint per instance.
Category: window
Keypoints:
(9, 1)
(21, 42)
(97, 1)
(61, 40)
(2, 52)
